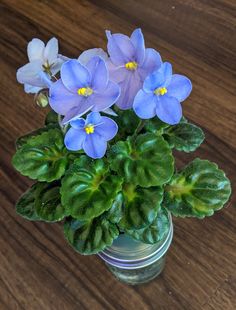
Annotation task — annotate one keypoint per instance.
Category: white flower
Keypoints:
(42, 59)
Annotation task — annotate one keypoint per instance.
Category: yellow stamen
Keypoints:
(89, 129)
(47, 67)
(160, 91)
(85, 91)
(132, 65)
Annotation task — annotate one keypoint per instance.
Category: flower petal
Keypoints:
(93, 118)
(166, 70)
(63, 57)
(61, 99)
(94, 145)
(78, 123)
(106, 98)
(109, 111)
(56, 67)
(169, 110)
(35, 50)
(74, 75)
(138, 42)
(180, 87)
(77, 111)
(117, 74)
(151, 62)
(145, 104)
(107, 129)
(99, 73)
(51, 51)
(29, 74)
(129, 88)
(45, 78)
(87, 55)
(153, 81)
(29, 89)
(74, 139)
(120, 48)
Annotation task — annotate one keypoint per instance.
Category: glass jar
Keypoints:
(135, 262)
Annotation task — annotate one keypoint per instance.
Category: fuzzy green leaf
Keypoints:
(89, 189)
(24, 139)
(184, 137)
(52, 118)
(114, 214)
(48, 202)
(90, 237)
(127, 121)
(146, 162)
(155, 232)
(43, 157)
(155, 125)
(198, 190)
(26, 205)
(140, 206)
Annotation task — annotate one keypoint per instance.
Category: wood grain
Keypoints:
(38, 270)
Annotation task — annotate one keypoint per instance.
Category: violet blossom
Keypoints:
(91, 134)
(129, 64)
(162, 94)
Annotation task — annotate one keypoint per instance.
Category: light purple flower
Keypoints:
(82, 89)
(91, 134)
(161, 95)
(129, 64)
(42, 59)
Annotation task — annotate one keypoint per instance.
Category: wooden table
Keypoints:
(38, 269)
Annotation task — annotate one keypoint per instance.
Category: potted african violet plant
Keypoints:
(103, 163)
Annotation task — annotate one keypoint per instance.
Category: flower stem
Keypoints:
(139, 127)
(63, 128)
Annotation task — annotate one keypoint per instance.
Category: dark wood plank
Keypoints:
(38, 270)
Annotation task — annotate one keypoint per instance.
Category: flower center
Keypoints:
(132, 65)
(85, 91)
(89, 129)
(160, 91)
(47, 67)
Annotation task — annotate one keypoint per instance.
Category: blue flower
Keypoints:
(129, 64)
(82, 89)
(91, 134)
(161, 95)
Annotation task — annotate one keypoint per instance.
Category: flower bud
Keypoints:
(41, 100)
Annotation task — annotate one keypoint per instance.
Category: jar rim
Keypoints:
(143, 261)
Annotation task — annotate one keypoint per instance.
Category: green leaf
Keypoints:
(146, 162)
(90, 237)
(183, 120)
(198, 190)
(89, 189)
(184, 137)
(43, 157)
(24, 139)
(140, 206)
(114, 214)
(127, 122)
(155, 125)
(41, 202)
(26, 205)
(155, 232)
(48, 202)
(52, 118)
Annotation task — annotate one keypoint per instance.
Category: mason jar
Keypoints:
(135, 262)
